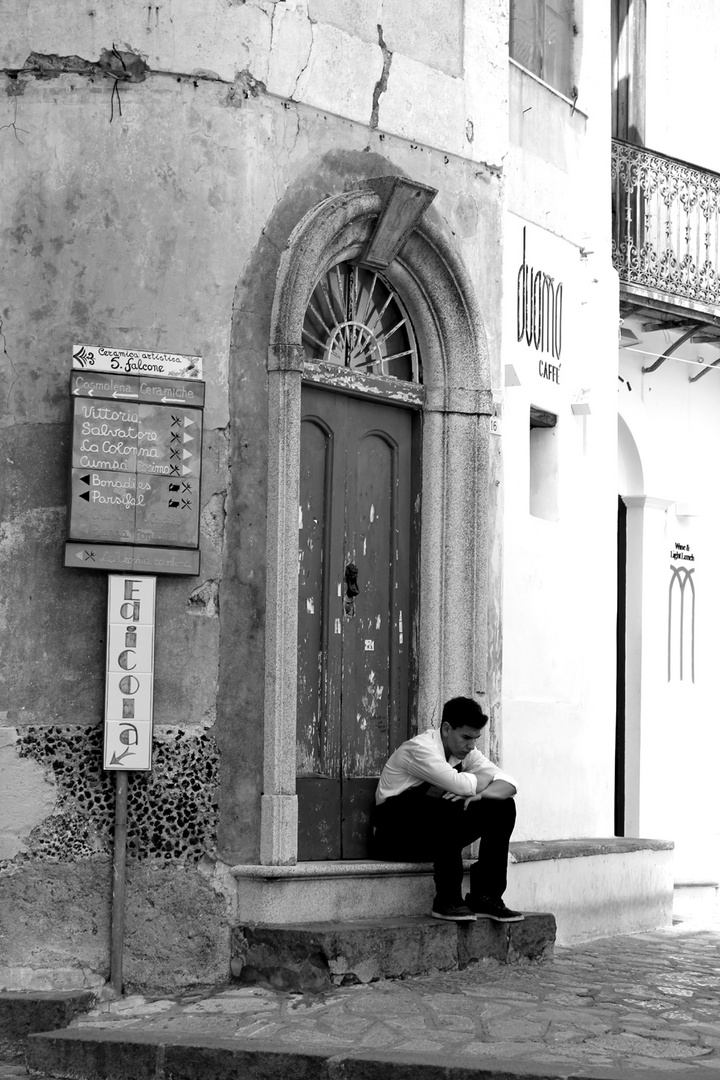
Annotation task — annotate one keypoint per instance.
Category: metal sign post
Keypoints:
(128, 720)
(134, 510)
(117, 917)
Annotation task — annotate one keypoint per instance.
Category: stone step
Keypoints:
(312, 957)
(24, 1012)
(123, 1055)
(595, 887)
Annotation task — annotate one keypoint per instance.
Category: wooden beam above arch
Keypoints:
(404, 203)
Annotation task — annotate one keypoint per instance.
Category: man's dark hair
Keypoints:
(463, 712)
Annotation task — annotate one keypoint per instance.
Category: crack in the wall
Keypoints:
(135, 69)
(381, 84)
(11, 365)
(15, 90)
(123, 64)
(304, 68)
(119, 65)
(124, 67)
(291, 129)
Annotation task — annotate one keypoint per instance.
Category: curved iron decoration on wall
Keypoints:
(666, 227)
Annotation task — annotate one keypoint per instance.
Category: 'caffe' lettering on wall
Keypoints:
(539, 308)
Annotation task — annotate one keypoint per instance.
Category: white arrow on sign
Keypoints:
(116, 395)
(188, 438)
(188, 422)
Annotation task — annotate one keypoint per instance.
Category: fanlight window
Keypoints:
(355, 320)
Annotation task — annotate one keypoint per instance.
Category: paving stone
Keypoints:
(455, 1023)
(579, 1016)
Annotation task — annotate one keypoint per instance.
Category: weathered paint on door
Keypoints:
(357, 531)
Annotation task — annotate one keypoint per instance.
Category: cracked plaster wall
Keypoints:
(445, 81)
(129, 219)
(27, 796)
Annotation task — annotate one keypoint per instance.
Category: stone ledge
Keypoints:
(335, 869)
(313, 957)
(537, 850)
(25, 1012)
(520, 851)
(595, 887)
(117, 1055)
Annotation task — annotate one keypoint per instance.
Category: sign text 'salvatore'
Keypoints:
(135, 475)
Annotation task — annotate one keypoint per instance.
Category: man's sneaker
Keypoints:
(452, 912)
(486, 908)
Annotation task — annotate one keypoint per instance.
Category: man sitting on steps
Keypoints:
(437, 794)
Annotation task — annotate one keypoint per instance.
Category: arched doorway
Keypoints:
(358, 525)
(457, 618)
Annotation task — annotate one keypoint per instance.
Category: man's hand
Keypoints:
(498, 789)
(465, 799)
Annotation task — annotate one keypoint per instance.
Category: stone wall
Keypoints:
(154, 167)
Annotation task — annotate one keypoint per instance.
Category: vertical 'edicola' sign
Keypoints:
(129, 676)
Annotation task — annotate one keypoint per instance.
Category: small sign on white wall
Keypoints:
(540, 308)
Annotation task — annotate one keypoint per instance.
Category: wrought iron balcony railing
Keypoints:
(666, 227)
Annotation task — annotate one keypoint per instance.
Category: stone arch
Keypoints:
(459, 596)
(630, 471)
(427, 272)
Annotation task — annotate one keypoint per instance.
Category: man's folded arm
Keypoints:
(488, 775)
(497, 789)
(427, 766)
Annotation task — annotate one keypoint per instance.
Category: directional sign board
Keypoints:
(136, 455)
(132, 388)
(132, 362)
(129, 672)
(138, 560)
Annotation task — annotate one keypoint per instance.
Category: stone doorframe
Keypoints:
(459, 601)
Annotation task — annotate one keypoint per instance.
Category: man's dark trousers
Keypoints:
(418, 826)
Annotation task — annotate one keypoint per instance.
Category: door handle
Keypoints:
(351, 580)
(351, 588)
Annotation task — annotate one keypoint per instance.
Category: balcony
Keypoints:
(666, 238)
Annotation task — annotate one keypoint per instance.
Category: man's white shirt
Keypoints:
(423, 759)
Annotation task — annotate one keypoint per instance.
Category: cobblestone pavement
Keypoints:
(648, 1002)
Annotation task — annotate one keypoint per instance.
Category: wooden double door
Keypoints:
(358, 526)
